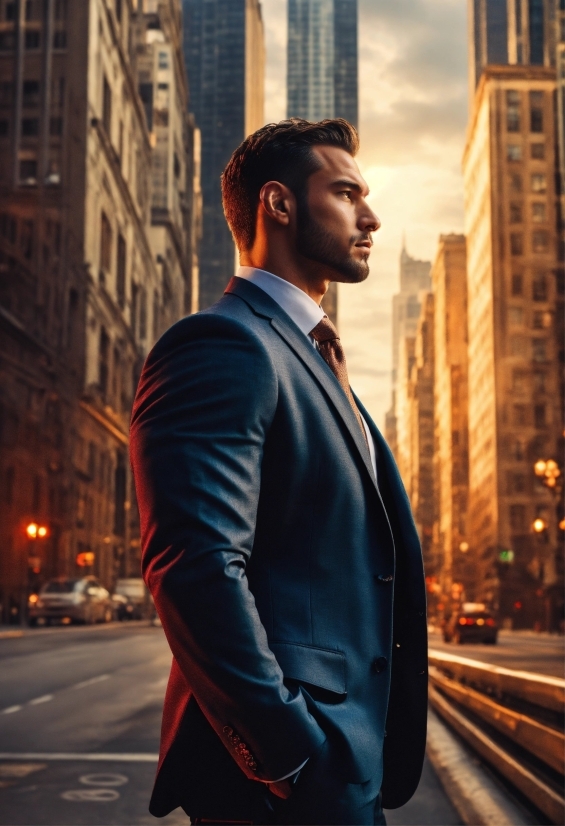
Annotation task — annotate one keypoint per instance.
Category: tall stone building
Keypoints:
(82, 297)
(514, 279)
(175, 196)
(560, 66)
(510, 32)
(224, 53)
(322, 70)
(406, 307)
(453, 550)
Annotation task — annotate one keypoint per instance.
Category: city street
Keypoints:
(522, 650)
(97, 692)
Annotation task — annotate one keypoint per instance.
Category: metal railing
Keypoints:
(512, 719)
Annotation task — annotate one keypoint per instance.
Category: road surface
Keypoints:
(522, 650)
(83, 708)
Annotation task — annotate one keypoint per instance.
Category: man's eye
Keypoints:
(347, 193)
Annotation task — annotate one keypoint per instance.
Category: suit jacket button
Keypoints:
(227, 731)
(379, 664)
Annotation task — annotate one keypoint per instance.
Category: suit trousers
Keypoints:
(321, 797)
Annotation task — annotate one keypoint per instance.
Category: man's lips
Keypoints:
(366, 244)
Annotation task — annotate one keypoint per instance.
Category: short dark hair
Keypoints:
(276, 152)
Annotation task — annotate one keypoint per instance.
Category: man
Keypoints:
(277, 537)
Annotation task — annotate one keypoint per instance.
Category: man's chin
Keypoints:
(353, 273)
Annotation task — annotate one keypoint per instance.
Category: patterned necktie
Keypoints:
(329, 345)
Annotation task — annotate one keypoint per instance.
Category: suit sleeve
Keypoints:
(205, 401)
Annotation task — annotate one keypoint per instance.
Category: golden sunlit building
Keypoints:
(513, 280)
(456, 561)
(82, 294)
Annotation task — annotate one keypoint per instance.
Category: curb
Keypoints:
(479, 802)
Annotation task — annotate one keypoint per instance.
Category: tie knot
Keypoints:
(324, 331)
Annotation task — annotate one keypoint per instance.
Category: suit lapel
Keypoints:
(263, 305)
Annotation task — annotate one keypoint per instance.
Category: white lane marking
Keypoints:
(108, 757)
(91, 795)
(92, 681)
(38, 700)
(106, 779)
(11, 709)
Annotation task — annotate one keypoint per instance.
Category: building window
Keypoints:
(134, 308)
(517, 483)
(517, 284)
(32, 40)
(539, 183)
(536, 111)
(539, 288)
(515, 213)
(537, 151)
(7, 41)
(520, 414)
(10, 11)
(30, 127)
(540, 241)
(26, 238)
(538, 212)
(539, 349)
(121, 272)
(107, 106)
(31, 93)
(56, 127)
(516, 243)
(105, 246)
(6, 93)
(518, 517)
(4, 128)
(518, 346)
(119, 10)
(163, 60)
(516, 316)
(103, 362)
(60, 9)
(515, 182)
(539, 415)
(539, 381)
(60, 39)
(142, 314)
(518, 450)
(513, 152)
(512, 111)
(519, 381)
(28, 172)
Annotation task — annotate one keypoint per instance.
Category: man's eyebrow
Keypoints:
(350, 184)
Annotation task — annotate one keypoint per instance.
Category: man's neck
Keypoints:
(290, 271)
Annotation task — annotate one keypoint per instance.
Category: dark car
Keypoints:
(472, 624)
(71, 600)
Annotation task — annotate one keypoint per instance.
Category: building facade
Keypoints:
(224, 52)
(514, 370)
(81, 294)
(322, 71)
(406, 306)
(452, 548)
(510, 32)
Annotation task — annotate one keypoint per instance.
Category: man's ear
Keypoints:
(278, 201)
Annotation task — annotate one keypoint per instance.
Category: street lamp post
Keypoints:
(550, 475)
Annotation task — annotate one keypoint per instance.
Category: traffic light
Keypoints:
(506, 555)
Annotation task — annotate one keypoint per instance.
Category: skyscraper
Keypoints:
(509, 31)
(224, 55)
(322, 70)
(514, 355)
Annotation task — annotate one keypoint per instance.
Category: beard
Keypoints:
(315, 243)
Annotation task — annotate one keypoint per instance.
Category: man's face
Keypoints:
(334, 220)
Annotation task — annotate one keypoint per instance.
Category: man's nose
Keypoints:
(369, 222)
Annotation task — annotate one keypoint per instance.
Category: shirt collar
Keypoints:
(302, 309)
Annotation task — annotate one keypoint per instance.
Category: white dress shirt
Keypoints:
(303, 310)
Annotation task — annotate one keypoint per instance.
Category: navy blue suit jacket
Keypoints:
(289, 583)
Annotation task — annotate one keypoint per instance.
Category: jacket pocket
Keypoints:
(321, 667)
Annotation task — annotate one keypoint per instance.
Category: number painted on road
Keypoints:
(106, 779)
(91, 795)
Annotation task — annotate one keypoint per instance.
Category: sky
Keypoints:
(413, 116)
